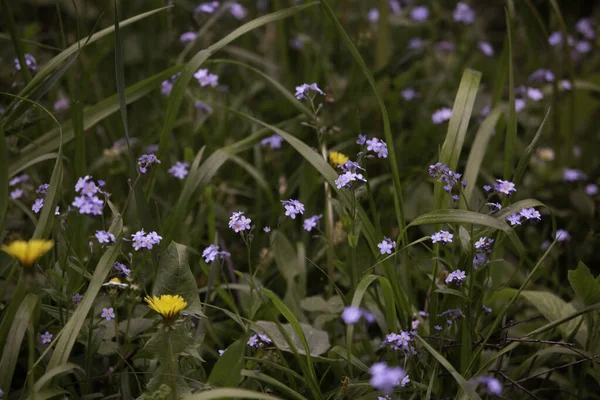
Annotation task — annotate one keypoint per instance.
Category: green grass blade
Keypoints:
(464, 385)
(283, 388)
(3, 177)
(230, 393)
(25, 314)
(511, 127)
(12, 29)
(478, 150)
(359, 293)
(524, 161)
(61, 369)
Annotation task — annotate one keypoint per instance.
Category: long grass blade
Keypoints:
(511, 127)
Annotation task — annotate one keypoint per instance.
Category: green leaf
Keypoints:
(227, 371)
(230, 393)
(318, 340)
(586, 287)
(24, 316)
(291, 270)
(468, 389)
(54, 372)
(175, 277)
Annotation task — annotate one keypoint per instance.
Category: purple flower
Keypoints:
(514, 219)
(208, 7)
(212, 252)
(302, 91)
(344, 180)
(530, 213)
(43, 188)
(555, 38)
(108, 313)
(484, 244)
(441, 115)
(534, 94)
(121, 268)
(463, 13)
(519, 104)
(310, 223)
(205, 78)
(452, 315)
(492, 385)
(562, 235)
(76, 298)
(442, 236)
(397, 341)
(350, 166)
(419, 14)
(416, 43)
(505, 187)
(362, 139)
(292, 208)
(16, 194)
(61, 104)
(351, 315)
(267, 229)
(373, 15)
(146, 161)
(258, 341)
(37, 206)
(378, 147)
(395, 6)
(566, 85)
(409, 94)
(386, 246)
(141, 240)
(485, 48)
(179, 170)
(591, 189)
(238, 222)
(188, 37)
(540, 75)
(238, 11)
(583, 47)
(385, 379)
(456, 276)
(18, 179)
(165, 87)
(29, 62)
(46, 337)
(273, 142)
(105, 237)
(586, 28)
(572, 175)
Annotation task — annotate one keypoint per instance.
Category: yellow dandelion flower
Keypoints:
(167, 305)
(337, 158)
(28, 252)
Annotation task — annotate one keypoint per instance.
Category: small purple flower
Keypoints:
(397, 341)
(442, 115)
(562, 235)
(121, 268)
(373, 15)
(16, 194)
(456, 276)
(188, 37)
(409, 94)
(419, 14)
(591, 189)
(586, 28)
(555, 38)
(534, 94)
(362, 139)
(46, 338)
(505, 187)
(205, 78)
(108, 313)
(61, 104)
(566, 85)
(146, 161)
(386, 246)
(105, 237)
(302, 91)
(492, 385)
(43, 188)
(76, 298)
(179, 170)
(463, 13)
(238, 222)
(378, 147)
(583, 47)
(37, 206)
(208, 7)
(345, 179)
(442, 236)
(267, 229)
(530, 213)
(273, 142)
(258, 341)
(18, 179)
(292, 208)
(30, 62)
(416, 43)
(395, 6)
(514, 219)
(141, 240)
(351, 315)
(519, 104)
(541, 75)
(385, 379)
(572, 175)
(212, 252)
(311, 223)
(486, 48)
(238, 11)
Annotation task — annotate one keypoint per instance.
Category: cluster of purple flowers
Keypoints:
(88, 202)
(312, 222)
(146, 161)
(303, 91)
(273, 142)
(238, 222)
(573, 175)
(580, 46)
(456, 276)
(397, 341)
(142, 240)
(351, 315)
(386, 246)
(212, 252)
(452, 180)
(463, 13)
(442, 237)
(30, 62)
(18, 192)
(526, 213)
(483, 247)
(205, 78)
(346, 178)
(292, 208)
(105, 237)
(179, 170)
(377, 146)
(39, 202)
(385, 379)
(504, 187)
(166, 86)
(121, 268)
(258, 341)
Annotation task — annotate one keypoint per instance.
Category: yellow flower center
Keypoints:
(28, 252)
(337, 158)
(167, 305)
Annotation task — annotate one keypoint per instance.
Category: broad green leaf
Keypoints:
(318, 340)
(230, 393)
(586, 287)
(563, 320)
(175, 277)
(25, 315)
(464, 385)
(227, 371)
